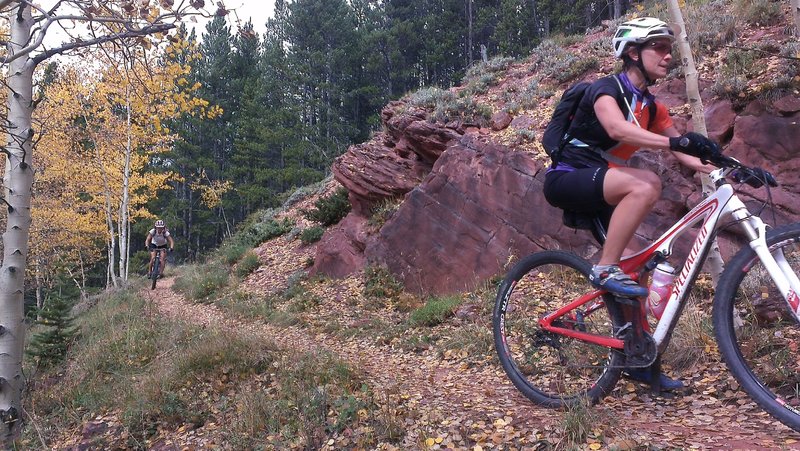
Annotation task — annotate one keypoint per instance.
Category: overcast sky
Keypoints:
(258, 11)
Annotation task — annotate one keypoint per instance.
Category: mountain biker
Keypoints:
(613, 120)
(158, 238)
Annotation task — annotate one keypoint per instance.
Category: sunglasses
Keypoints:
(662, 48)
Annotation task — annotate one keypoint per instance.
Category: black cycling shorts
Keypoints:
(153, 247)
(578, 190)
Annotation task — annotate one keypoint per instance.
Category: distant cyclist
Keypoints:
(158, 238)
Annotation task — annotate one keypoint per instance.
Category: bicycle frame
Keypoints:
(723, 202)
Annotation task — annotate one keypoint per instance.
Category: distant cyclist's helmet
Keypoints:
(638, 31)
(159, 223)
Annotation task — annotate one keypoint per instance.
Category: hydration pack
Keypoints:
(555, 135)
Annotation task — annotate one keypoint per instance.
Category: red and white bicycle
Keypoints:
(560, 340)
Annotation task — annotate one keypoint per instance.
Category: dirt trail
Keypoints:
(464, 406)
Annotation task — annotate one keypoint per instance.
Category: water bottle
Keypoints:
(660, 288)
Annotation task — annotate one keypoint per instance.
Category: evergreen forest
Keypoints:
(230, 121)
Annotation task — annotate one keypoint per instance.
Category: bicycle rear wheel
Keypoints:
(758, 336)
(550, 369)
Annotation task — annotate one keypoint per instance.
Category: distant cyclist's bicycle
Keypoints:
(156, 271)
(561, 341)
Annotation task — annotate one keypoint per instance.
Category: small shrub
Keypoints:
(551, 60)
(480, 76)
(330, 210)
(758, 12)
(711, 26)
(200, 282)
(311, 235)
(380, 283)
(305, 191)
(731, 81)
(494, 65)
(434, 312)
(429, 97)
(462, 108)
(49, 344)
(268, 230)
(525, 135)
(447, 106)
(792, 51)
(231, 253)
(248, 264)
(384, 211)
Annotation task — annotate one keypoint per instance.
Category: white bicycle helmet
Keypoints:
(159, 223)
(638, 31)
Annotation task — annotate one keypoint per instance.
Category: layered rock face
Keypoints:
(471, 205)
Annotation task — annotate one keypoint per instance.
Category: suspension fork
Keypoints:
(776, 264)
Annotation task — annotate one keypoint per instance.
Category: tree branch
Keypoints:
(156, 28)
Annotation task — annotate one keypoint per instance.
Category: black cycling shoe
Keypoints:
(612, 279)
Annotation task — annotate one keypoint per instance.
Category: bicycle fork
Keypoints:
(777, 266)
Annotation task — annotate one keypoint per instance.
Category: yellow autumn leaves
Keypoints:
(100, 124)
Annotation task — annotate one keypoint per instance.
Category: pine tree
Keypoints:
(50, 345)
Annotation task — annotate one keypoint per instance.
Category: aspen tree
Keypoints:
(90, 23)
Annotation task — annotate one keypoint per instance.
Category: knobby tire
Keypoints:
(758, 336)
(156, 270)
(554, 370)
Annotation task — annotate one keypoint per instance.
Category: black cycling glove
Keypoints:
(696, 145)
(755, 177)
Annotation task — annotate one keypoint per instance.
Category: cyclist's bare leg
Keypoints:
(633, 192)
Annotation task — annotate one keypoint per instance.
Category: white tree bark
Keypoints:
(24, 51)
(125, 202)
(796, 14)
(715, 263)
(17, 182)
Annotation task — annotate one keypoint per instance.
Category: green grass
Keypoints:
(380, 283)
(435, 311)
(156, 374)
(202, 282)
(231, 253)
(248, 264)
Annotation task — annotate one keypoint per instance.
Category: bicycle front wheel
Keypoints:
(758, 336)
(550, 369)
(156, 270)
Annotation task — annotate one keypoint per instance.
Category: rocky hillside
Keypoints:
(450, 190)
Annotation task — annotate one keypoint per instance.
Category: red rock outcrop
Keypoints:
(471, 205)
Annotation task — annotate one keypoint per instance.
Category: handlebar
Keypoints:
(753, 176)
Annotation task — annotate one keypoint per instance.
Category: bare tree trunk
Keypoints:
(124, 204)
(17, 182)
(469, 32)
(617, 9)
(714, 261)
(39, 297)
(796, 14)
